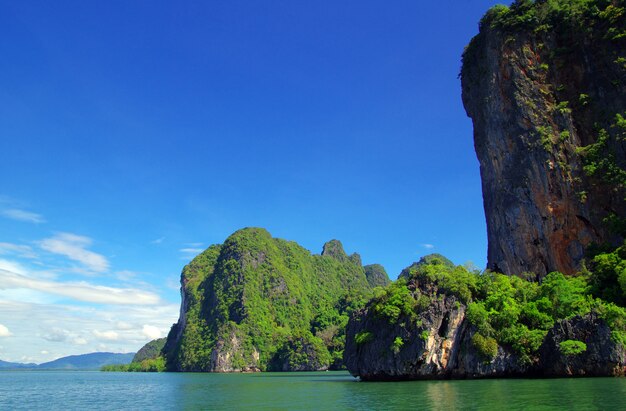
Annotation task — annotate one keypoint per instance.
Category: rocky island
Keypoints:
(257, 303)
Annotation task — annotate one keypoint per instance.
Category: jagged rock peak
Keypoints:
(376, 275)
(334, 249)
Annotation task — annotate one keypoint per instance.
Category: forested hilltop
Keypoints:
(257, 303)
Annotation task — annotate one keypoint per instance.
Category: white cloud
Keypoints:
(79, 341)
(122, 325)
(74, 247)
(194, 245)
(4, 331)
(191, 250)
(427, 246)
(151, 332)
(12, 266)
(23, 251)
(125, 275)
(27, 296)
(29, 322)
(157, 241)
(56, 335)
(81, 291)
(22, 215)
(106, 335)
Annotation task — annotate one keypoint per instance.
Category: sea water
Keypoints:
(83, 390)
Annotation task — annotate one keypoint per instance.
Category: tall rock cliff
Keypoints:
(262, 303)
(545, 85)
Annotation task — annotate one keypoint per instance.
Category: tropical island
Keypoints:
(545, 84)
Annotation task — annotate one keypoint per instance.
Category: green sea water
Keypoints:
(63, 390)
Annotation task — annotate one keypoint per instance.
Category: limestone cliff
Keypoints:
(261, 303)
(376, 275)
(545, 86)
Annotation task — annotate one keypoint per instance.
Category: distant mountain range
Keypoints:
(83, 362)
(14, 365)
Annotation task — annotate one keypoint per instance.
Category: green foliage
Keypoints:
(150, 350)
(519, 313)
(441, 272)
(495, 14)
(548, 15)
(607, 276)
(572, 347)
(563, 108)
(148, 365)
(546, 136)
(363, 337)
(115, 368)
(477, 315)
(394, 301)
(615, 317)
(397, 344)
(505, 310)
(607, 265)
(299, 352)
(487, 347)
(523, 340)
(376, 275)
(600, 161)
(267, 301)
(615, 224)
(583, 99)
(568, 296)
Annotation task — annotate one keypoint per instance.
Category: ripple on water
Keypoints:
(327, 390)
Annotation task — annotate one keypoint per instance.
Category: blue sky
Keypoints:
(135, 134)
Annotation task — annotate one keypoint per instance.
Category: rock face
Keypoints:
(435, 345)
(438, 343)
(258, 303)
(540, 81)
(602, 356)
(376, 275)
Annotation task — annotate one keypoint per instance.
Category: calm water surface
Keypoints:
(288, 391)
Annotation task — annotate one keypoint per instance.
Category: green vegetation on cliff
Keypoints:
(505, 310)
(376, 275)
(149, 358)
(150, 351)
(148, 365)
(261, 303)
(546, 15)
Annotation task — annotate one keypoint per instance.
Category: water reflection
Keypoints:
(332, 390)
